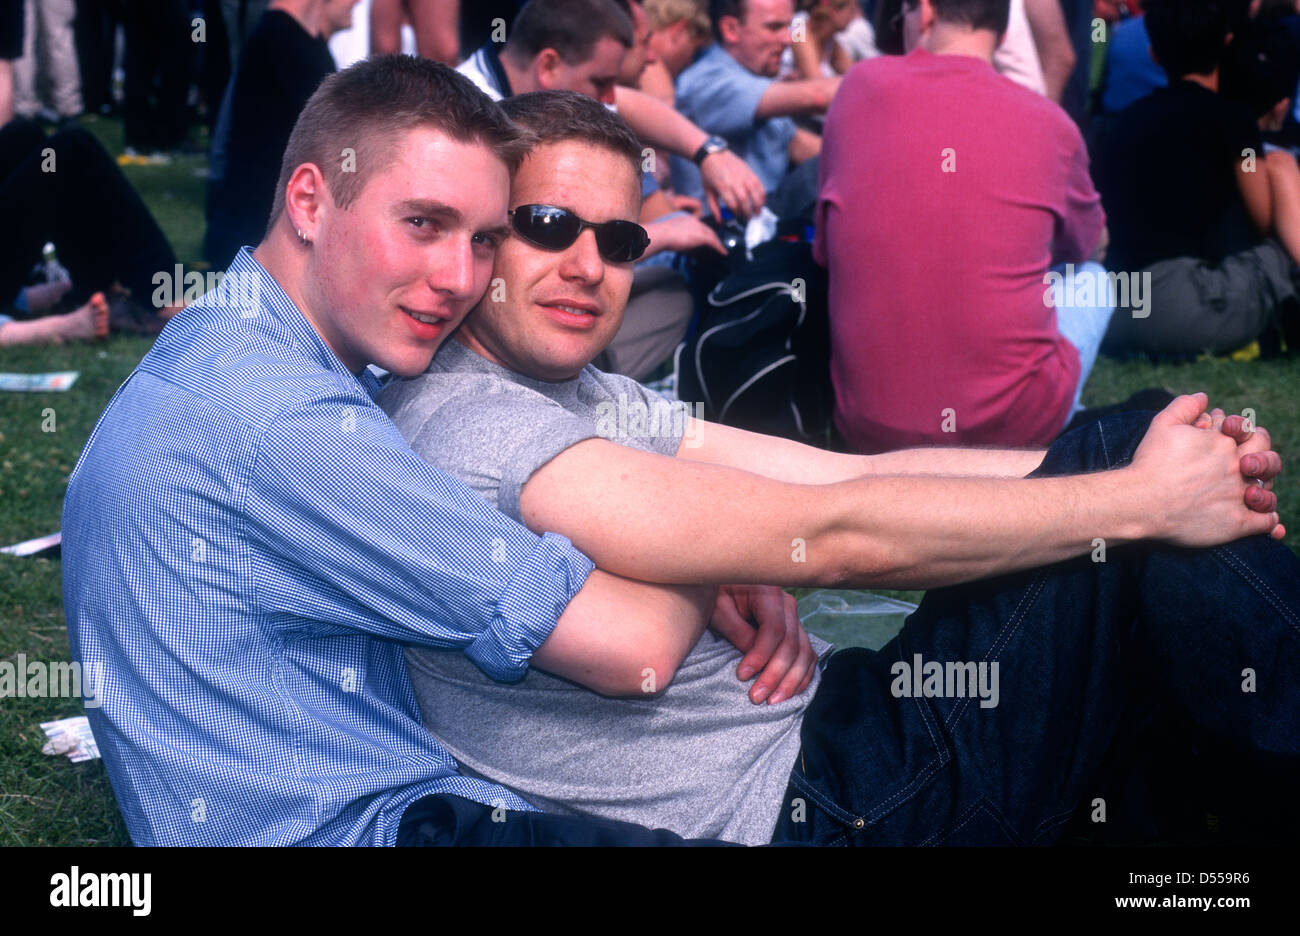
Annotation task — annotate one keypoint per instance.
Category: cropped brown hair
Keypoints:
(570, 27)
(559, 116)
(357, 115)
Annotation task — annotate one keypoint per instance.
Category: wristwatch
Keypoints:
(711, 145)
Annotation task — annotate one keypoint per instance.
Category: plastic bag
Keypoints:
(853, 618)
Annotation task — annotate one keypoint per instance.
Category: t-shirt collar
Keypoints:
(455, 357)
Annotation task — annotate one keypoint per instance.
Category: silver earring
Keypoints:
(302, 237)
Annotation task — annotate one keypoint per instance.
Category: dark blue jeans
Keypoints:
(447, 820)
(1084, 649)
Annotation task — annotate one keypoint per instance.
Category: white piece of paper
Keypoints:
(39, 383)
(32, 546)
(70, 737)
(760, 229)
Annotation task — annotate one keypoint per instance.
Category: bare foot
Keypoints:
(89, 323)
(100, 305)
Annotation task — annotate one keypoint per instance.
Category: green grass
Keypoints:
(50, 801)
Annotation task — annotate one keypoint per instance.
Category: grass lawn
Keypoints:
(48, 800)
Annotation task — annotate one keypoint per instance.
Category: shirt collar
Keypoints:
(370, 383)
(256, 281)
(719, 54)
(498, 71)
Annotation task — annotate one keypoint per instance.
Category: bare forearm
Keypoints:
(807, 57)
(785, 460)
(944, 531)
(959, 462)
(1058, 65)
(437, 33)
(1052, 40)
(657, 82)
(806, 145)
(657, 123)
(687, 522)
(793, 98)
(625, 638)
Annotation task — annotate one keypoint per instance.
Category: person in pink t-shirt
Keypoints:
(948, 194)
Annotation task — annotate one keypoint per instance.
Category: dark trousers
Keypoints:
(101, 228)
(1208, 639)
(158, 63)
(1078, 22)
(95, 29)
(454, 820)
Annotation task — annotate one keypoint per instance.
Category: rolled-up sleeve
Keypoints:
(526, 614)
(348, 529)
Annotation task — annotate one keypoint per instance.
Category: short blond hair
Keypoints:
(663, 13)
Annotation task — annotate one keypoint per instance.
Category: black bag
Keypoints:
(759, 358)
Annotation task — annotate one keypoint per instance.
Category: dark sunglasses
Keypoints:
(554, 228)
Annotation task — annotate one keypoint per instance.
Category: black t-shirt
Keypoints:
(279, 68)
(1166, 171)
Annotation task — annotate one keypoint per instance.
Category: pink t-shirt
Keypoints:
(947, 193)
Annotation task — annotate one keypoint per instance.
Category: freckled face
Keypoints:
(393, 274)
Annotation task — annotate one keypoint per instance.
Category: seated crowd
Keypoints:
(435, 576)
(938, 335)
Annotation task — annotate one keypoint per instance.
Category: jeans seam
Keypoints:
(825, 803)
(1004, 637)
(1002, 822)
(923, 776)
(881, 809)
(1053, 821)
(985, 804)
(1236, 564)
(958, 823)
(925, 715)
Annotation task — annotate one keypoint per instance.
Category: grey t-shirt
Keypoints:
(700, 759)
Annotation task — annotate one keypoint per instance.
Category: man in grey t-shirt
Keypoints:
(694, 752)
(699, 758)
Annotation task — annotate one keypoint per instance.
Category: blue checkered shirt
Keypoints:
(248, 542)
